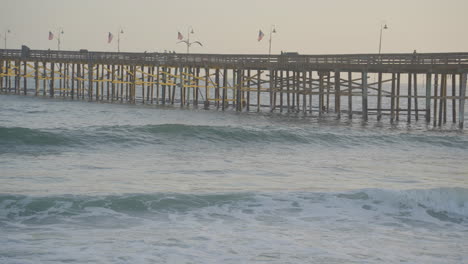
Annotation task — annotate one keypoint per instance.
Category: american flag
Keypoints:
(51, 35)
(180, 36)
(260, 35)
(110, 37)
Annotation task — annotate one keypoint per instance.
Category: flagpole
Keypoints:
(5, 37)
(118, 38)
(272, 30)
(188, 40)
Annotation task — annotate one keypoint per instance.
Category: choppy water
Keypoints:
(102, 183)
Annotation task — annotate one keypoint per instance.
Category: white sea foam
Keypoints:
(296, 227)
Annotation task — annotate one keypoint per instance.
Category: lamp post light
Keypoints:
(118, 38)
(382, 28)
(187, 41)
(272, 30)
(5, 36)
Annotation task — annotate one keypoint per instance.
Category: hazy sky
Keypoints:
(231, 26)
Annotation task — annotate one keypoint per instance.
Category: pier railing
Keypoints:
(244, 60)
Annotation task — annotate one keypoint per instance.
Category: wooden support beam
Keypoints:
(158, 79)
(259, 85)
(44, 82)
(441, 100)
(304, 97)
(83, 82)
(174, 86)
(66, 85)
(288, 87)
(364, 96)
(379, 97)
(240, 74)
(392, 98)
(9, 77)
(133, 85)
(163, 87)
(415, 87)
(149, 89)
(428, 97)
(1, 77)
(328, 91)
(97, 83)
(152, 85)
(52, 80)
(113, 94)
(206, 104)
(271, 87)
(197, 83)
(60, 81)
(36, 78)
(142, 79)
(122, 78)
(25, 79)
(293, 88)
(408, 117)
(275, 88)
(310, 92)
(454, 100)
(249, 82)
(461, 104)
(17, 76)
(350, 95)
(445, 98)
(217, 91)
(90, 81)
(398, 96)
(101, 83)
(281, 85)
(298, 91)
(73, 79)
(321, 94)
(337, 94)
(225, 82)
(436, 86)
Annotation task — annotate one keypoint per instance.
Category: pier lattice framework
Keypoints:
(411, 86)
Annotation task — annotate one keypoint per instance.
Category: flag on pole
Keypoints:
(51, 35)
(180, 36)
(260, 35)
(110, 37)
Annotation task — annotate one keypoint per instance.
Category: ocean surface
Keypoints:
(109, 183)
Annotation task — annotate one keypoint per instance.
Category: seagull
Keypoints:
(190, 43)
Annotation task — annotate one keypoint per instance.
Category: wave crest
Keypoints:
(444, 204)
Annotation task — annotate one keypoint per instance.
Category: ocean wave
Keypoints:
(128, 135)
(442, 204)
(15, 136)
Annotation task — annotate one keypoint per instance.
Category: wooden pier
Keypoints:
(427, 87)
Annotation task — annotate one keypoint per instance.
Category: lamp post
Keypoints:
(272, 30)
(118, 38)
(189, 31)
(5, 37)
(382, 27)
(59, 33)
(187, 41)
